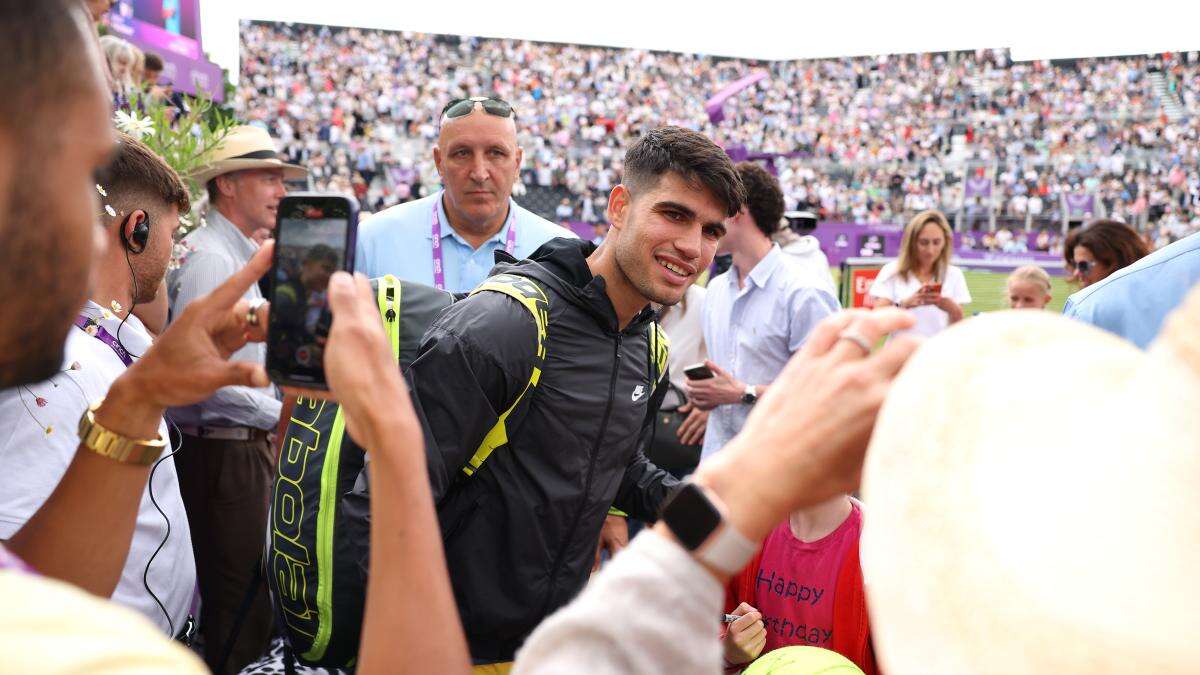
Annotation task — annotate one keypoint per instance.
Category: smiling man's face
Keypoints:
(478, 159)
(669, 233)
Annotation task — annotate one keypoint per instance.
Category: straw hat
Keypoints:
(1032, 490)
(246, 147)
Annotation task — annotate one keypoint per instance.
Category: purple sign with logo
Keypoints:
(978, 187)
(1080, 204)
(171, 29)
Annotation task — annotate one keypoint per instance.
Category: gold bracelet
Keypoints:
(115, 446)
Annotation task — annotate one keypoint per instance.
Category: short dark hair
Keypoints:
(322, 253)
(153, 62)
(45, 60)
(764, 198)
(1112, 242)
(136, 178)
(689, 154)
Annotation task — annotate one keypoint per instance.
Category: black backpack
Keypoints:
(317, 588)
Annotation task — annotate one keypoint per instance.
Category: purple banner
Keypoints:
(715, 105)
(192, 76)
(171, 29)
(978, 187)
(737, 153)
(1080, 204)
(840, 241)
(161, 26)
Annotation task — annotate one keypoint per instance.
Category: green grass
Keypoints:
(989, 293)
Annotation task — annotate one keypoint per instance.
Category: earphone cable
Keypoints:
(150, 490)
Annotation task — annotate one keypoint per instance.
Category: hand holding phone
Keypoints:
(314, 237)
(698, 371)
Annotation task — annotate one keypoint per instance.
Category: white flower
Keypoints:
(106, 314)
(110, 210)
(185, 220)
(116, 306)
(132, 124)
(101, 190)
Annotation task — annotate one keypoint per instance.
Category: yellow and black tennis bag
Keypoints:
(312, 568)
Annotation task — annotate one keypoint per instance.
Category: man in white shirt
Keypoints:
(40, 419)
(757, 314)
(228, 465)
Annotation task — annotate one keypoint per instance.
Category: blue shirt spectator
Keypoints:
(752, 331)
(1134, 301)
(399, 240)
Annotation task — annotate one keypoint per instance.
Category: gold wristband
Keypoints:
(115, 446)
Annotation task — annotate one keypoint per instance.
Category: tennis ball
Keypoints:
(799, 660)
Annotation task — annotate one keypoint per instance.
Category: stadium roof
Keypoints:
(1031, 29)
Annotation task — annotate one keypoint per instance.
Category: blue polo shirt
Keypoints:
(399, 240)
(1134, 301)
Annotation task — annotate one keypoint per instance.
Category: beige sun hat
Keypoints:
(246, 147)
(1033, 486)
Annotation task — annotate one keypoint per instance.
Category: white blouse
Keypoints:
(931, 320)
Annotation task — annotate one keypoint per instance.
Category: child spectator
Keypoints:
(805, 587)
(1028, 288)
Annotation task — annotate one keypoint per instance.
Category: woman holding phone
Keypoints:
(922, 280)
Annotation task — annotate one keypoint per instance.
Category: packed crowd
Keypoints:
(864, 139)
(548, 454)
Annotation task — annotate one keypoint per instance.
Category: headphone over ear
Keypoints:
(136, 241)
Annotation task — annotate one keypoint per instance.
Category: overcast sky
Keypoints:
(787, 29)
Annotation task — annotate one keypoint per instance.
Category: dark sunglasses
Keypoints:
(1083, 266)
(492, 106)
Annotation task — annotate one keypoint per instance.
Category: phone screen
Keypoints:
(314, 237)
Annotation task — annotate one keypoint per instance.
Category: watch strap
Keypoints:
(727, 549)
(112, 445)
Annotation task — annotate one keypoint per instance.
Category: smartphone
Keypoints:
(698, 371)
(314, 237)
(936, 289)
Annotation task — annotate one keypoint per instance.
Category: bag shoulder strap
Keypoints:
(388, 298)
(531, 296)
(660, 349)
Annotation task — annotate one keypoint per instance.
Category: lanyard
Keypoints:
(439, 268)
(97, 331)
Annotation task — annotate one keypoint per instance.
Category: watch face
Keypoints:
(691, 516)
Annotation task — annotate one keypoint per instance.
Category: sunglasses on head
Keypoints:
(463, 106)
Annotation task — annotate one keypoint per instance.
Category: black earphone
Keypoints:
(137, 240)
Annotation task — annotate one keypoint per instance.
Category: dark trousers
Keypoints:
(226, 487)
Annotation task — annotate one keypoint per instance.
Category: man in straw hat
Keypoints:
(227, 463)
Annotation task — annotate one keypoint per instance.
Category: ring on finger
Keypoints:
(857, 339)
(252, 311)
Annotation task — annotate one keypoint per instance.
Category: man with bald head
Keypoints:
(448, 239)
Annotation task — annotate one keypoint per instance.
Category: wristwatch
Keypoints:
(115, 446)
(750, 397)
(698, 520)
